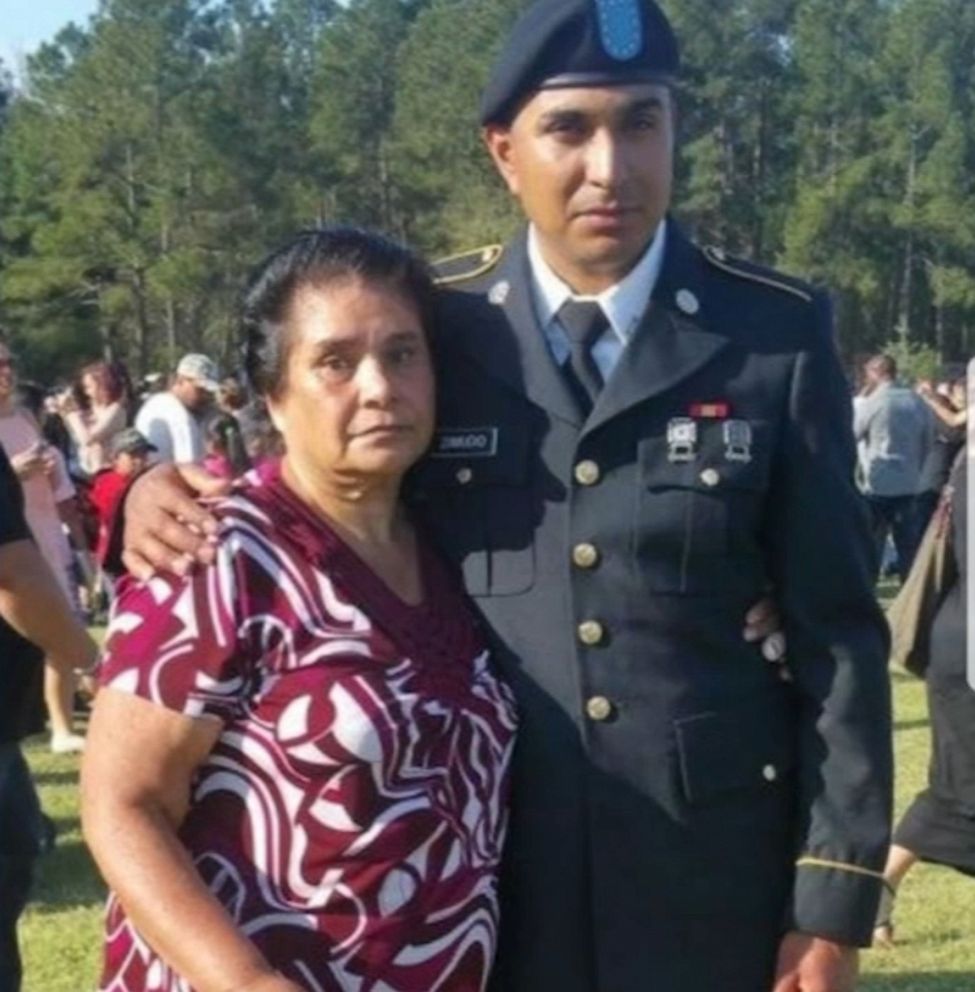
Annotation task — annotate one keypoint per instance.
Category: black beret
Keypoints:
(558, 43)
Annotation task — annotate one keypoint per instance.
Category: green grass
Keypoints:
(61, 932)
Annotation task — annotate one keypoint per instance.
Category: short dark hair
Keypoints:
(316, 258)
(885, 365)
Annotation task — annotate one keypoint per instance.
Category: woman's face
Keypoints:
(358, 392)
(93, 384)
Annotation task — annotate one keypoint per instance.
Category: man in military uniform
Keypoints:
(655, 434)
(638, 438)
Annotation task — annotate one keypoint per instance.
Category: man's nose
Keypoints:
(604, 162)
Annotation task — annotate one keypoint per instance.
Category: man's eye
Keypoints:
(404, 354)
(644, 124)
(564, 129)
(333, 363)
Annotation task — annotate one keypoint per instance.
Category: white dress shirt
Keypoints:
(624, 304)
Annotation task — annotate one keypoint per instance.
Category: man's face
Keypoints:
(593, 170)
(191, 394)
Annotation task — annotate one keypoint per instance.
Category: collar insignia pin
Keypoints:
(687, 302)
(498, 293)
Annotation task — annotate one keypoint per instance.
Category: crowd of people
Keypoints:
(907, 441)
(75, 448)
(466, 670)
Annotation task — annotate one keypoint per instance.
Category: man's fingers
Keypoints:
(135, 564)
(760, 611)
(152, 555)
(761, 620)
(202, 482)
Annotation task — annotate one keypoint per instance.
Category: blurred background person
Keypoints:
(100, 414)
(130, 454)
(172, 420)
(939, 826)
(948, 401)
(49, 499)
(226, 456)
(32, 605)
(894, 431)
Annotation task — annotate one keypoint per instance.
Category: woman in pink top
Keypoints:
(98, 418)
(297, 770)
(49, 500)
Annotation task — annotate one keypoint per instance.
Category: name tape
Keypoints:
(465, 442)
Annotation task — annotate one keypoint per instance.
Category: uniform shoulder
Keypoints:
(466, 266)
(760, 275)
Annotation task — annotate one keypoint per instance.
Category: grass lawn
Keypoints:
(61, 931)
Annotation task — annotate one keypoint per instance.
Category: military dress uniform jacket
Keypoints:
(677, 805)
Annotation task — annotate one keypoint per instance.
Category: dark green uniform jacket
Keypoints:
(677, 805)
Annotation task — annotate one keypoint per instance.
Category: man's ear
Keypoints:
(497, 138)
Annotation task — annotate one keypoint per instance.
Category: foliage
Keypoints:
(914, 361)
(155, 153)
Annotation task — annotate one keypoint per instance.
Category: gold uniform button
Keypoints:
(770, 773)
(585, 556)
(599, 708)
(591, 632)
(587, 473)
(464, 476)
(710, 477)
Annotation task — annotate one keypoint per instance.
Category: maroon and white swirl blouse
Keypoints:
(351, 815)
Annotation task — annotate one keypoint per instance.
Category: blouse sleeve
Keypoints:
(174, 641)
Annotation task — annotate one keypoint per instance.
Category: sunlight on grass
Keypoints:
(61, 932)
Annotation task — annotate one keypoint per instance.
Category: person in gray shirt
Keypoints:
(894, 431)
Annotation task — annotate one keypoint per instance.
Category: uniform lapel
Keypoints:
(508, 342)
(669, 345)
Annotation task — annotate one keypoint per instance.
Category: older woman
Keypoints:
(297, 768)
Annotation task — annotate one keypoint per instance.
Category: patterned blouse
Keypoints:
(351, 814)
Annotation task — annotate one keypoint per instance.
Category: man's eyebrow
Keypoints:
(570, 114)
(644, 103)
(562, 115)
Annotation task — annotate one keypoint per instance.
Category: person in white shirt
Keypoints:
(171, 420)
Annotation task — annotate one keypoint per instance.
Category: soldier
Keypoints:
(638, 438)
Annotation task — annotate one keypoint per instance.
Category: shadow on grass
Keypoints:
(67, 879)
(940, 981)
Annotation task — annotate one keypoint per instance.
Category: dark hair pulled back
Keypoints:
(316, 258)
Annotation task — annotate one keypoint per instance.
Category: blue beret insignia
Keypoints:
(620, 28)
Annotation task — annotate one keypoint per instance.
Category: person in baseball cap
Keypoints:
(201, 370)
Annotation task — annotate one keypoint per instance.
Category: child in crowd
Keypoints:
(130, 453)
(225, 453)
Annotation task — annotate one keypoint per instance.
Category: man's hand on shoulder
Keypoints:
(166, 530)
(814, 964)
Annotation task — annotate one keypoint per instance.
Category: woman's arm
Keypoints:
(101, 424)
(135, 791)
(943, 410)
